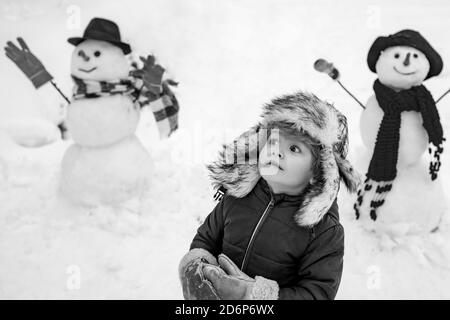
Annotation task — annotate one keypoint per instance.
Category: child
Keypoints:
(275, 233)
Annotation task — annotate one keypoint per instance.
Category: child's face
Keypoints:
(286, 162)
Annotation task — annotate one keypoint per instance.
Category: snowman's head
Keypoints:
(403, 59)
(99, 60)
(402, 67)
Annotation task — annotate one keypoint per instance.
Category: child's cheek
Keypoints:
(299, 165)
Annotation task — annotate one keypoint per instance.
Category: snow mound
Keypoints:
(30, 132)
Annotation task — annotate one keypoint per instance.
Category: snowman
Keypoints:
(402, 193)
(107, 164)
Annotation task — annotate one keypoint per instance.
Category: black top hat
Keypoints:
(102, 29)
(408, 38)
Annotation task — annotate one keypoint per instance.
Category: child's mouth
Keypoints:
(274, 164)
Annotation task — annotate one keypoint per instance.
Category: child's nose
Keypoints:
(278, 153)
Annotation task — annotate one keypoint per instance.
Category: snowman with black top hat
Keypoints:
(402, 193)
(106, 164)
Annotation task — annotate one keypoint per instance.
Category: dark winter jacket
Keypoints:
(259, 233)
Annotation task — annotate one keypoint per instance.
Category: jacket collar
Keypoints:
(263, 190)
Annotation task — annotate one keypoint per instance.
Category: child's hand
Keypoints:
(195, 286)
(229, 282)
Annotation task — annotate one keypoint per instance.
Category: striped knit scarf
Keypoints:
(165, 106)
(383, 165)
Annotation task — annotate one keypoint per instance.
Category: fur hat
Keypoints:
(304, 113)
(408, 38)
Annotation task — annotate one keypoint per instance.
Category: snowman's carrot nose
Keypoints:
(406, 62)
(82, 54)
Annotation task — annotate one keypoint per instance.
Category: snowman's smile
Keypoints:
(404, 73)
(87, 71)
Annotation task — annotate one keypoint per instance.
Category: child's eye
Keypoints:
(295, 149)
(397, 55)
(97, 53)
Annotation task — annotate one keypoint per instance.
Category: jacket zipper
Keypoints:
(252, 238)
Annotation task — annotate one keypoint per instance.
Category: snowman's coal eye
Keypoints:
(97, 53)
(415, 55)
(397, 55)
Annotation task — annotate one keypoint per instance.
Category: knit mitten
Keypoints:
(28, 63)
(195, 285)
(151, 74)
(231, 283)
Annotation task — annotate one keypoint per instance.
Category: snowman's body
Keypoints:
(416, 203)
(107, 164)
(102, 121)
(413, 190)
(105, 175)
(413, 137)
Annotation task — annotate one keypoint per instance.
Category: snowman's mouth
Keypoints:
(404, 73)
(87, 71)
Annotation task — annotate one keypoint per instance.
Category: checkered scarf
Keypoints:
(165, 105)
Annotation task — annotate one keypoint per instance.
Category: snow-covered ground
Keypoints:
(229, 57)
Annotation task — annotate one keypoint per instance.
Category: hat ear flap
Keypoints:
(350, 177)
(236, 170)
